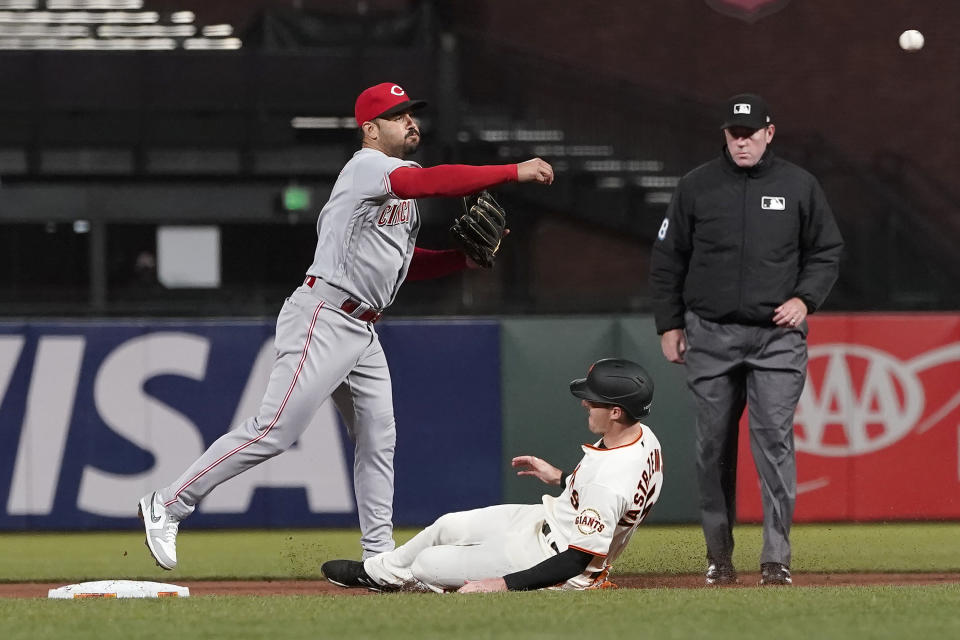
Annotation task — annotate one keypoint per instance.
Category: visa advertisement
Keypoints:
(94, 415)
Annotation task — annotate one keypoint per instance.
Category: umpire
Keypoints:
(748, 248)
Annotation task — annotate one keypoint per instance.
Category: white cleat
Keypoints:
(161, 528)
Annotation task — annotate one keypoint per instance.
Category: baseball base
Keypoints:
(119, 589)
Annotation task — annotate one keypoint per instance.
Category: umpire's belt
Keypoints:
(341, 298)
(545, 530)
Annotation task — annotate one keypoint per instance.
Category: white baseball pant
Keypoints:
(467, 545)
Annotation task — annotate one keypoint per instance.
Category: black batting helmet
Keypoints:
(619, 382)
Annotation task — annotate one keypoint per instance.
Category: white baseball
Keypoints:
(911, 40)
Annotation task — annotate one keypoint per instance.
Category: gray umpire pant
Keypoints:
(729, 366)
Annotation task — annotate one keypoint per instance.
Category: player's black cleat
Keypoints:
(350, 573)
(721, 573)
(775, 573)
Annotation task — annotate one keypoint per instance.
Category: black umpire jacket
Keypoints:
(738, 242)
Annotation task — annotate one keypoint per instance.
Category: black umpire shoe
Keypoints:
(775, 573)
(350, 573)
(721, 573)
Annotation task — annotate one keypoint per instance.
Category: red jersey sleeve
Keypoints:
(427, 263)
(450, 180)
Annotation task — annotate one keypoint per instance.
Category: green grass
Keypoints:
(299, 553)
(835, 612)
(812, 612)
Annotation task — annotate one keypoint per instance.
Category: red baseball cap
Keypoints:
(381, 100)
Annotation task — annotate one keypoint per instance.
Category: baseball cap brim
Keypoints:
(580, 389)
(749, 123)
(409, 105)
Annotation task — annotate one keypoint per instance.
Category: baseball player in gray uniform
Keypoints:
(570, 540)
(325, 338)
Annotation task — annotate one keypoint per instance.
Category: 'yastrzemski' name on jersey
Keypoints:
(393, 214)
(644, 489)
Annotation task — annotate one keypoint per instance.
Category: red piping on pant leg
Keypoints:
(303, 357)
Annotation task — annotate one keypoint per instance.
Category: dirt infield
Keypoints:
(322, 587)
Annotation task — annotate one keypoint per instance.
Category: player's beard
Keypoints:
(410, 144)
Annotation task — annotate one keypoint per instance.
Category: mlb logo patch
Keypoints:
(741, 107)
(774, 203)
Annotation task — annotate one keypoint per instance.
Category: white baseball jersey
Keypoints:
(606, 497)
(366, 234)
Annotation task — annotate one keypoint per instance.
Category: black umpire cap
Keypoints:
(746, 110)
(618, 382)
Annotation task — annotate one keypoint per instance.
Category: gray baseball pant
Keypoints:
(729, 366)
(321, 352)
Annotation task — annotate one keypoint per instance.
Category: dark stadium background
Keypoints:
(100, 148)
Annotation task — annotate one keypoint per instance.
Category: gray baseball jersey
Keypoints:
(366, 234)
(326, 347)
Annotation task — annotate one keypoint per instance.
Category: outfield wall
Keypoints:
(94, 414)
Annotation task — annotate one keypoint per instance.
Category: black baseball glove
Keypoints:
(481, 228)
